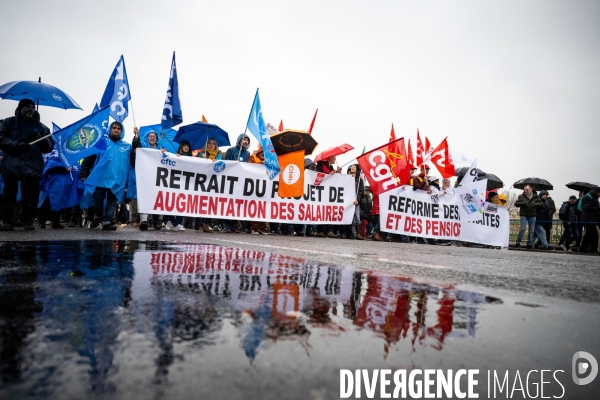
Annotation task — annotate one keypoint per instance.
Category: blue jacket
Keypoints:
(64, 188)
(112, 169)
(232, 152)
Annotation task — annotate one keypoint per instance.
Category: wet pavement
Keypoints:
(183, 315)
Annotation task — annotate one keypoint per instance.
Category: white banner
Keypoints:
(437, 216)
(197, 187)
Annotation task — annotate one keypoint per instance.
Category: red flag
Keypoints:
(280, 129)
(313, 122)
(392, 134)
(420, 149)
(442, 159)
(427, 145)
(411, 161)
(386, 167)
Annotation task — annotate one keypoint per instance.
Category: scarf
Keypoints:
(211, 154)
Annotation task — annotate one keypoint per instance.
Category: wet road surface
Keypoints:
(188, 315)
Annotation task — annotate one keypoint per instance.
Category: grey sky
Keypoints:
(512, 83)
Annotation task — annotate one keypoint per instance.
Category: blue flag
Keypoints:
(96, 108)
(55, 128)
(82, 138)
(256, 126)
(172, 109)
(116, 95)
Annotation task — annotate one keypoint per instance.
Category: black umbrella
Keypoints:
(580, 186)
(535, 183)
(291, 140)
(493, 182)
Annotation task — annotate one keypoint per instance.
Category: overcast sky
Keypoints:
(514, 84)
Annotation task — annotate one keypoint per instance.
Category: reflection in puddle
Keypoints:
(78, 315)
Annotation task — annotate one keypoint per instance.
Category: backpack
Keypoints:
(564, 210)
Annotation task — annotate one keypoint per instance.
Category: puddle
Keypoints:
(152, 319)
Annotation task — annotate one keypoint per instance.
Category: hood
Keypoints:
(239, 140)
(542, 192)
(183, 143)
(117, 123)
(594, 191)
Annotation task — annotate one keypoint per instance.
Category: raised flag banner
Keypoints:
(204, 120)
(471, 175)
(411, 161)
(385, 167)
(420, 150)
(55, 128)
(82, 138)
(312, 124)
(471, 199)
(172, 115)
(392, 134)
(291, 178)
(442, 159)
(256, 126)
(196, 187)
(116, 95)
(414, 212)
(280, 129)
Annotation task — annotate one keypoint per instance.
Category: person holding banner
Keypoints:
(151, 142)
(258, 157)
(210, 152)
(108, 178)
(326, 167)
(176, 223)
(240, 150)
(22, 162)
(420, 182)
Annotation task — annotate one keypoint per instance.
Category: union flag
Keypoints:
(386, 167)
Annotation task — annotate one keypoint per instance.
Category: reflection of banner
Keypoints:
(197, 187)
(437, 216)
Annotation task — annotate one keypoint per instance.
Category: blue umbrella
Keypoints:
(199, 133)
(42, 94)
(166, 138)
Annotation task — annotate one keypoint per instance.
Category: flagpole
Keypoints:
(246, 128)
(133, 113)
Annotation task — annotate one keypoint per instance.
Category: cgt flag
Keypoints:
(291, 178)
(442, 159)
(82, 138)
(256, 126)
(116, 95)
(172, 110)
(420, 150)
(386, 167)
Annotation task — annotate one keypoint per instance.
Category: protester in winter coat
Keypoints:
(176, 222)
(366, 204)
(420, 182)
(326, 167)
(240, 150)
(590, 210)
(22, 162)
(569, 218)
(542, 218)
(211, 151)
(150, 142)
(108, 178)
(528, 203)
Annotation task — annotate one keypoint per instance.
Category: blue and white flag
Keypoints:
(82, 138)
(256, 126)
(172, 110)
(55, 128)
(116, 95)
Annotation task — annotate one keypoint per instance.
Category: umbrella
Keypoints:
(334, 151)
(291, 140)
(493, 182)
(535, 183)
(199, 133)
(42, 94)
(166, 138)
(580, 186)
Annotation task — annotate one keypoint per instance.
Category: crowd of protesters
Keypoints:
(34, 178)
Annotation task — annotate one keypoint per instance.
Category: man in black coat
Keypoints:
(22, 162)
(528, 202)
(590, 217)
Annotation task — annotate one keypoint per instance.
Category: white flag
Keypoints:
(471, 175)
